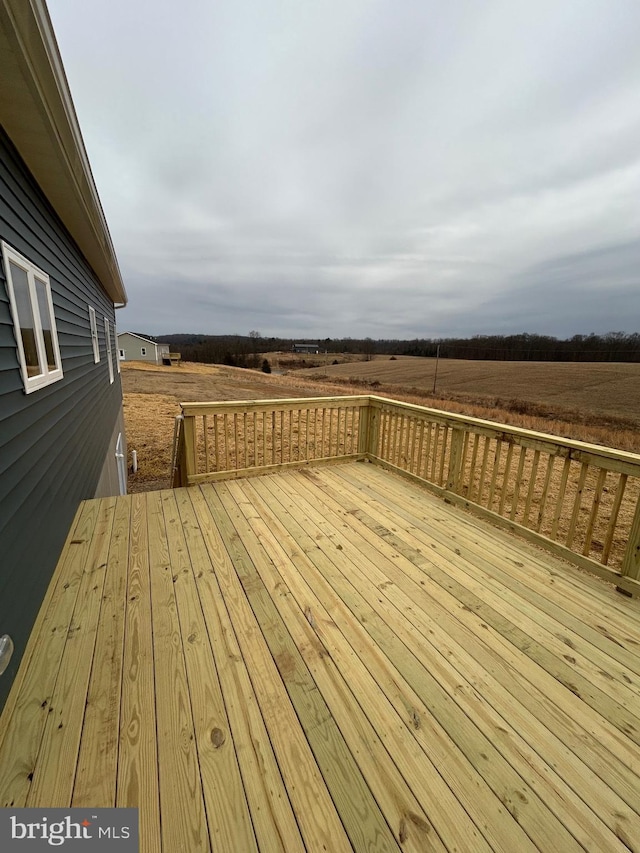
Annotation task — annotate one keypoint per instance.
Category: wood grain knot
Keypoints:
(218, 737)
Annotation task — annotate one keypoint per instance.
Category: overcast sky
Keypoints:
(357, 167)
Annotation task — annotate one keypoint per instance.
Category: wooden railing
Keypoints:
(579, 500)
(236, 439)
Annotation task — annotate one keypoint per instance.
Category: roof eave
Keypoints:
(37, 113)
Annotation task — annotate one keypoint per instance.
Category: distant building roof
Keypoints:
(148, 338)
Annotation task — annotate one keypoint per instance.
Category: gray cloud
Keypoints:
(351, 168)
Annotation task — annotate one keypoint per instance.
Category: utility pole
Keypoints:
(435, 376)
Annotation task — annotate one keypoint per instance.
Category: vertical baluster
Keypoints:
(216, 452)
(384, 443)
(472, 467)
(427, 450)
(264, 438)
(494, 473)
(346, 438)
(445, 442)
(348, 430)
(516, 493)
(434, 459)
(315, 433)
(576, 504)
(226, 441)
(300, 434)
(545, 490)
(560, 499)
(205, 430)
(411, 444)
(324, 430)
(505, 478)
(617, 503)
(281, 434)
(414, 445)
(532, 485)
(401, 441)
(255, 438)
(602, 475)
(236, 457)
(420, 446)
(483, 469)
(273, 438)
(463, 462)
(306, 434)
(355, 428)
(331, 420)
(393, 436)
(245, 440)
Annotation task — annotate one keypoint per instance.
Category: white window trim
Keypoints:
(115, 348)
(122, 354)
(143, 350)
(93, 323)
(32, 383)
(107, 335)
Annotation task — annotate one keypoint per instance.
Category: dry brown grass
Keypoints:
(600, 390)
(153, 394)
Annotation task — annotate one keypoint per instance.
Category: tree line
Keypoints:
(245, 350)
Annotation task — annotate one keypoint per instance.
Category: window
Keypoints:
(107, 335)
(94, 334)
(115, 347)
(143, 350)
(34, 322)
(121, 351)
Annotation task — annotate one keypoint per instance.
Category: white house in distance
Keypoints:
(134, 347)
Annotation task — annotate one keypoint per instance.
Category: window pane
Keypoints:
(45, 319)
(25, 319)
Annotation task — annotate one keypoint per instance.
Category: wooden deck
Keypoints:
(327, 659)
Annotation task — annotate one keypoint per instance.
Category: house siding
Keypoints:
(132, 346)
(53, 442)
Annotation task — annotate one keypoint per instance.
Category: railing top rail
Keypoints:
(622, 456)
(290, 402)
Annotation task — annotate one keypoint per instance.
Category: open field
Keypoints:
(597, 388)
(610, 415)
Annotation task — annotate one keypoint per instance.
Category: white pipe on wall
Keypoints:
(6, 650)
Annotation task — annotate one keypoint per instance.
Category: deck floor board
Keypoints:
(327, 659)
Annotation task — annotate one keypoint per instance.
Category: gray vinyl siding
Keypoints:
(53, 442)
(133, 347)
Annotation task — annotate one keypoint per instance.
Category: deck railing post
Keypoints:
(631, 559)
(190, 445)
(178, 473)
(374, 427)
(455, 460)
(364, 429)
